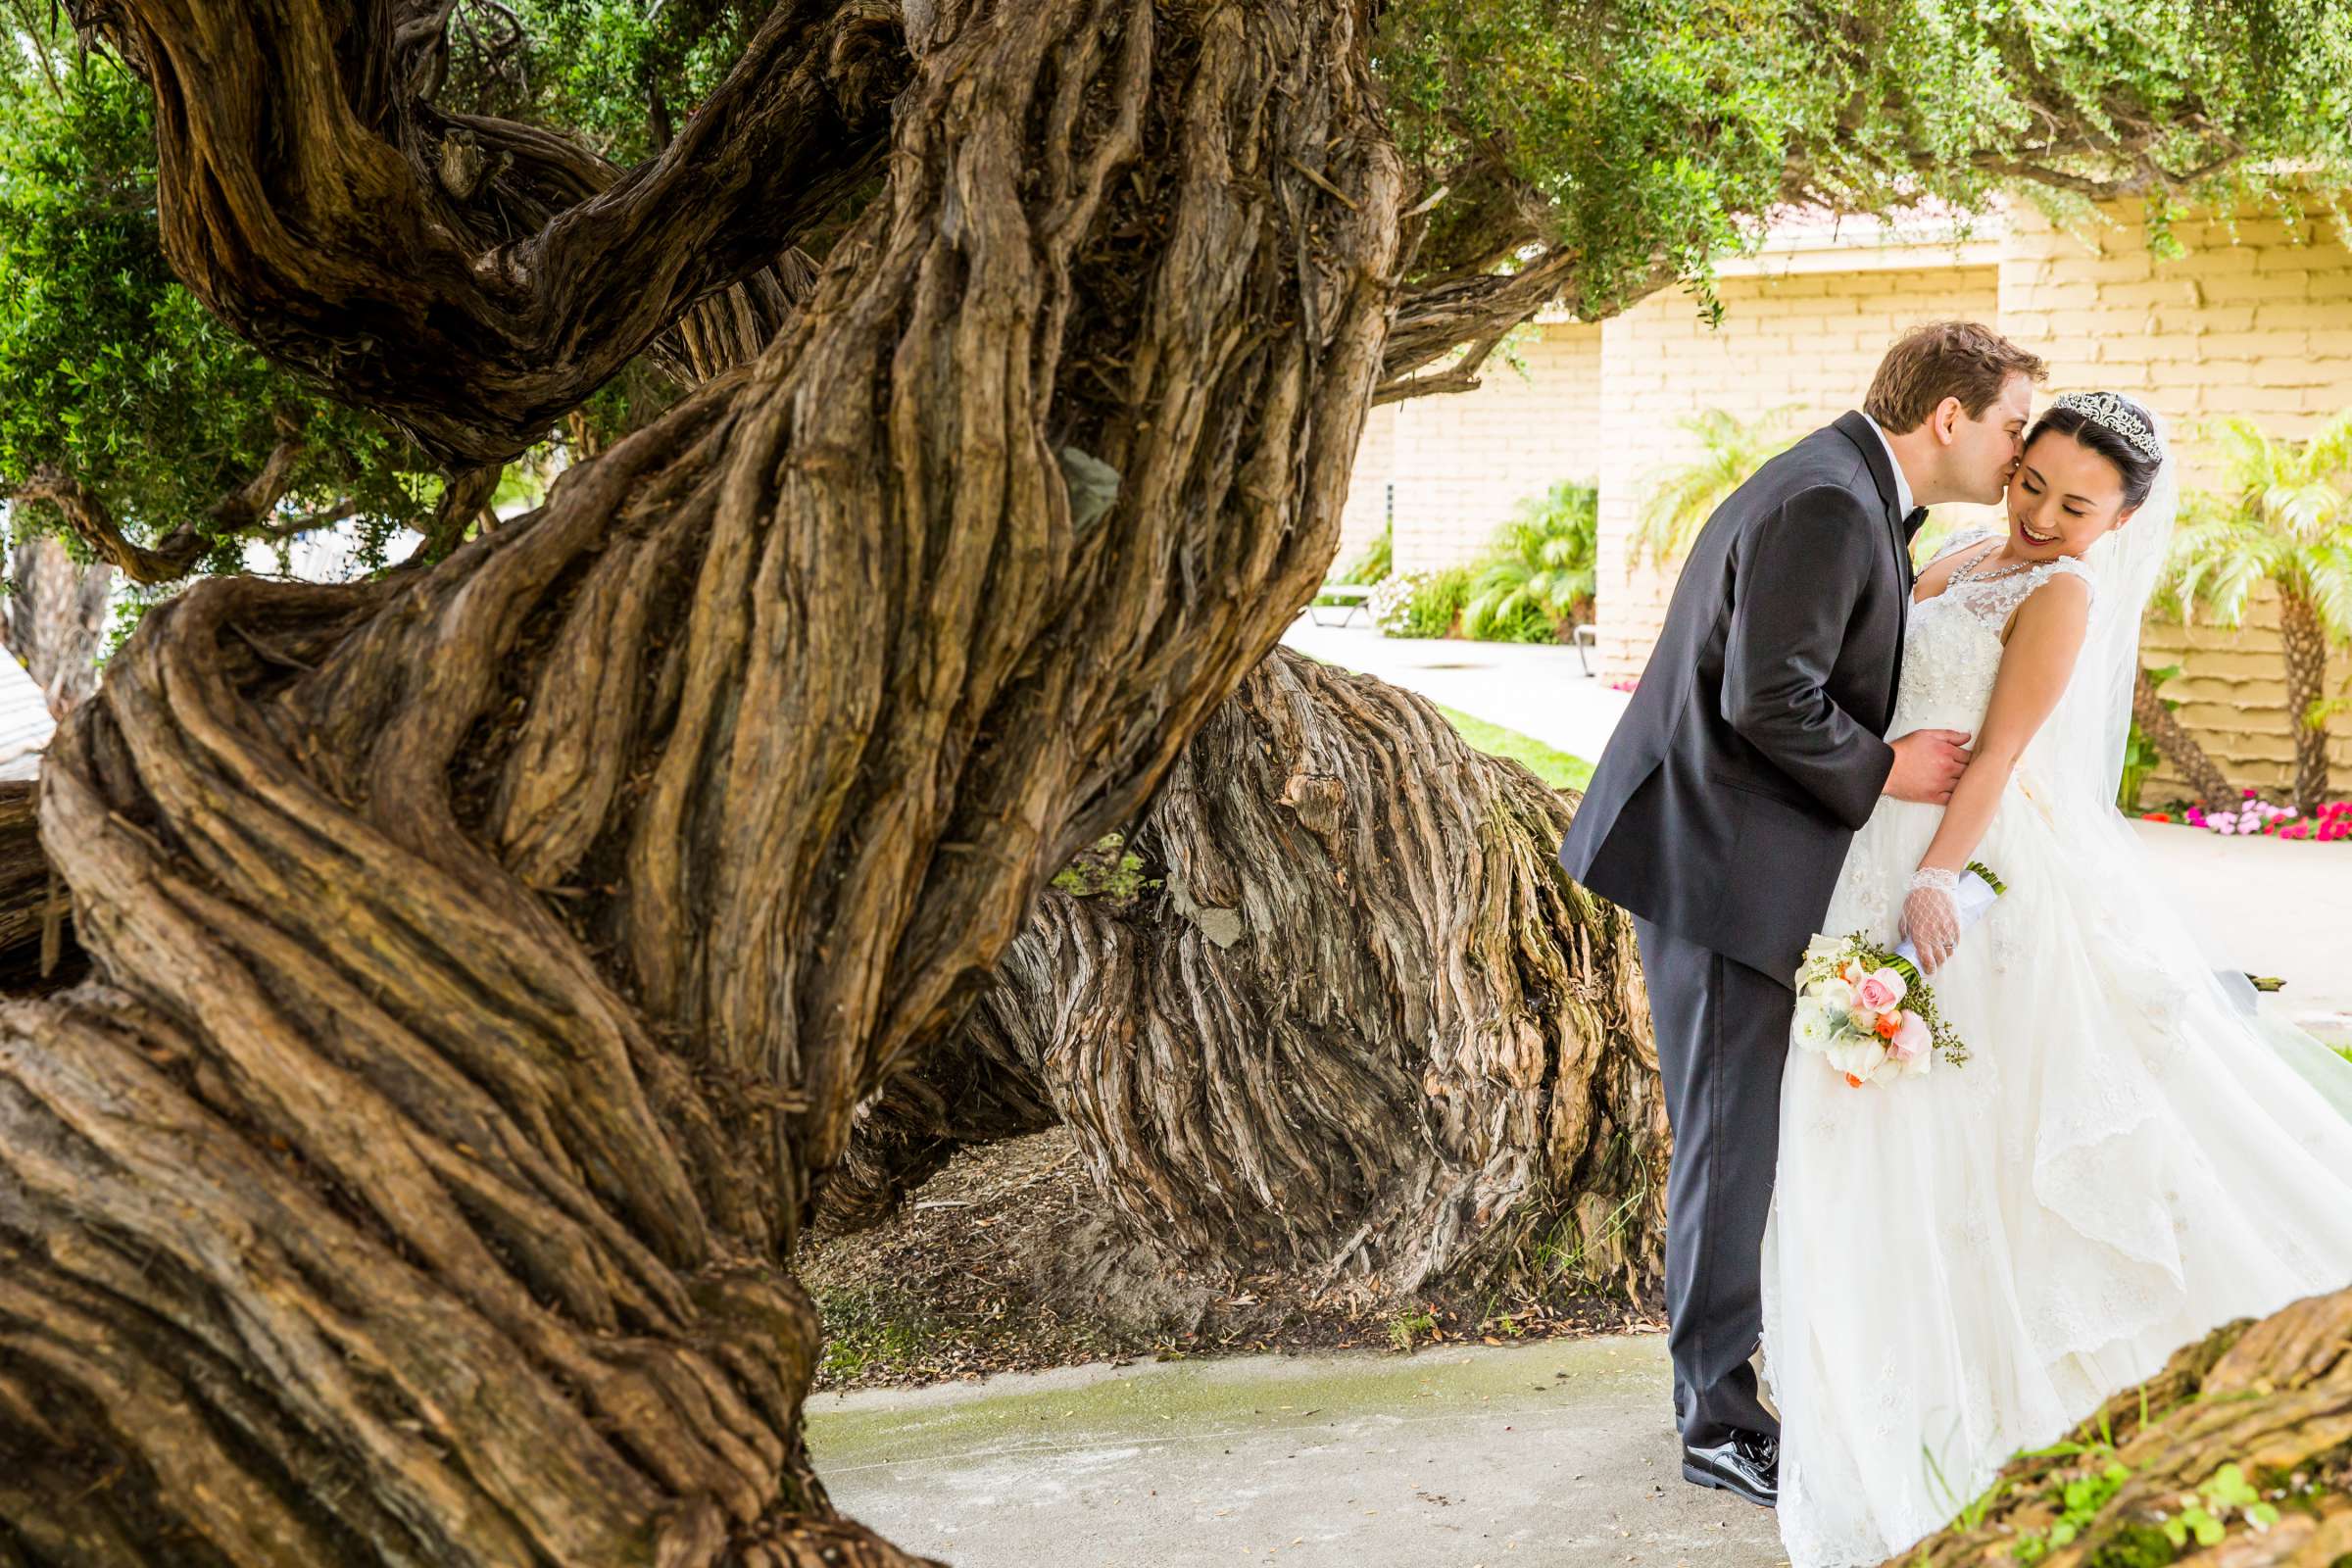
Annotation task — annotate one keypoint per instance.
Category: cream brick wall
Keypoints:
(2255, 319)
(1807, 342)
(2232, 697)
(1366, 511)
(1462, 462)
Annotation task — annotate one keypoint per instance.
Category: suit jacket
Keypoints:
(1724, 804)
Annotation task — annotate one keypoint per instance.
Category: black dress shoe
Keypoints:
(1748, 1465)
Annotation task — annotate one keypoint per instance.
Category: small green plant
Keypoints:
(1106, 868)
(2205, 1517)
(1966, 1514)
(2142, 758)
(2082, 1498)
(1407, 1328)
(1540, 569)
(1374, 565)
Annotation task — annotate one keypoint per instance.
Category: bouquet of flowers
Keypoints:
(1867, 1009)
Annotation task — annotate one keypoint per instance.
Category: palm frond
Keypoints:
(1681, 497)
(2284, 519)
(2328, 584)
(2285, 515)
(2328, 449)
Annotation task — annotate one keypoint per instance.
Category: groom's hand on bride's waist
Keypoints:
(1928, 764)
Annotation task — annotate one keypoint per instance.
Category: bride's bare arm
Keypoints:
(2045, 638)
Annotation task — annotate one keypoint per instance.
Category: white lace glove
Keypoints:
(1932, 916)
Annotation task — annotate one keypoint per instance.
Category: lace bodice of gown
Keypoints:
(1952, 647)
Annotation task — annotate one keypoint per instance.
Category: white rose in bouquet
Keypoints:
(1858, 1055)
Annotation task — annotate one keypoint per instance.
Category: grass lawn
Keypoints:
(1554, 767)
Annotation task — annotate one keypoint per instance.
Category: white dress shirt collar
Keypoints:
(1902, 486)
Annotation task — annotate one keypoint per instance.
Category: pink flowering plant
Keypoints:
(2255, 817)
(1867, 1011)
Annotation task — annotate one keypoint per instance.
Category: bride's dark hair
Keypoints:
(2137, 466)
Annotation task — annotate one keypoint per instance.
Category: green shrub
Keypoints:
(2141, 757)
(1374, 563)
(1420, 604)
(1539, 570)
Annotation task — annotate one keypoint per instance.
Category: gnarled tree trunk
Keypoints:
(1363, 1022)
(55, 619)
(489, 959)
(37, 942)
(2273, 1398)
(2304, 637)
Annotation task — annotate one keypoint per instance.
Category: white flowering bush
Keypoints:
(1419, 604)
(1390, 601)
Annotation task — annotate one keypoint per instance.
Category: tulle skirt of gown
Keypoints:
(1962, 1265)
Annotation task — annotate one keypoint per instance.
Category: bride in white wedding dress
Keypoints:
(1964, 1264)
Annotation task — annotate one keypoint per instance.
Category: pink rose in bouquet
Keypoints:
(1881, 990)
(1913, 1038)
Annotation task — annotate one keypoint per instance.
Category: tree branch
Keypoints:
(244, 513)
(357, 233)
(1436, 319)
(1479, 311)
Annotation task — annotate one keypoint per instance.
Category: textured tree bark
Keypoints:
(976, 1088)
(55, 621)
(2305, 639)
(2179, 745)
(1365, 1021)
(34, 935)
(489, 959)
(474, 280)
(2274, 1398)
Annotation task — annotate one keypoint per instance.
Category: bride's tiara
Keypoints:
(2105, 408)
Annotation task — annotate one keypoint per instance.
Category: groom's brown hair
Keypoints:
(1945, 360)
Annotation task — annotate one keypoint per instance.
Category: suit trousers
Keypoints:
(1723, 1039)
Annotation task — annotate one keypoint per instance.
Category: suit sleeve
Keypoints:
(1799, 574)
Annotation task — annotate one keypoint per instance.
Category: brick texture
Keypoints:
(1367, 512)
(1806, 344)
(1462, 462)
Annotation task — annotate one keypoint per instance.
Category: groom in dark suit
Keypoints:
(1721, 812)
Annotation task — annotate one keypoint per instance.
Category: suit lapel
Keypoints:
(1857, 428)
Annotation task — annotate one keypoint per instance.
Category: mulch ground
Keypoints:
(1005, 1262)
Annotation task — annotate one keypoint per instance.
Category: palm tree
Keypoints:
(2172, 741)
(1540, 571)
(1684, 496)
(2283, 517)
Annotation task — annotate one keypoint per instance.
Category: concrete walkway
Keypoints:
(2277, 908)
(1535, 689)
(1549, 1455)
